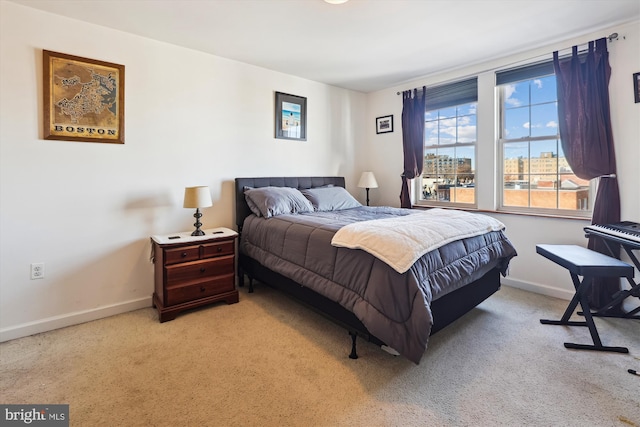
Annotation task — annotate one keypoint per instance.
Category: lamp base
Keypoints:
(197, 224)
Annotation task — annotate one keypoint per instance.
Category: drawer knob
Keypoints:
(202, 289)
(202, 270)
(219, 248)
(184, 255)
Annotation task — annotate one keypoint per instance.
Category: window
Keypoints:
(535, 175)
(448, 174)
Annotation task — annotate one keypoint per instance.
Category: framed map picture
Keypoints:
(291, 117)
(83, 99)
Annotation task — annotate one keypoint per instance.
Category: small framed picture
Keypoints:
(291, 117)
(384, 124)
(636, 86)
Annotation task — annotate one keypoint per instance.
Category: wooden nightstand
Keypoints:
(191, 271)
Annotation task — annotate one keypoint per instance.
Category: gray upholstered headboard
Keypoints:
(300, 182)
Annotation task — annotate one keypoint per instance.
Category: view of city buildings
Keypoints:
(546, 181)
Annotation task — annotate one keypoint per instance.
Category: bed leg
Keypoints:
(353, 354)
(240, 277)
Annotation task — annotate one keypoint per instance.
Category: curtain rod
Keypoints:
(612, 37)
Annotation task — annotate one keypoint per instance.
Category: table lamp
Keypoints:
(197, 197)
(367, 181)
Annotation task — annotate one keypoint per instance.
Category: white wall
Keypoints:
(528, 270)
(87, 209)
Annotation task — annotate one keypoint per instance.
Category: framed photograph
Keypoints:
(384, 124)
(291, 117)
(83, 99)
(636, 86)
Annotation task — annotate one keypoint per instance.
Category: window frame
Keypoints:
(439, 97)
(418, 184)
(534, 71)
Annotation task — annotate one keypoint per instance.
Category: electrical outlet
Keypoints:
(37, 270)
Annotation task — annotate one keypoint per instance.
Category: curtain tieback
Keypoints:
(611, 175)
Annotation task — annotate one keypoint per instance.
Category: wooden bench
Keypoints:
(588, 264)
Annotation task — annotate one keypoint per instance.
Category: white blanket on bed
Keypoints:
(401, 241)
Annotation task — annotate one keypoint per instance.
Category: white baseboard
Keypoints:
(628, 304)
(71, 319)
(538, 288)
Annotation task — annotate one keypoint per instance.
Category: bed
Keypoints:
(296, 249)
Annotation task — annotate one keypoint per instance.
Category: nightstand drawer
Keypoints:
(198, 270)
(218, 249)
(217, 285)
(184, 254)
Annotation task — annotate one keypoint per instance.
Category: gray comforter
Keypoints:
(394, 307)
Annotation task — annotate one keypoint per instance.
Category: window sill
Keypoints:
(529, 214)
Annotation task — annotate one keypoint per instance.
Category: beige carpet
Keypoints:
(268, 361)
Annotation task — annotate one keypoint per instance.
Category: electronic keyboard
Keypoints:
(626, 232)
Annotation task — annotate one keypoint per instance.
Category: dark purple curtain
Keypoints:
(413, 109)
(587, 140)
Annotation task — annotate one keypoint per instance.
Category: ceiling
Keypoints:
(364, 45)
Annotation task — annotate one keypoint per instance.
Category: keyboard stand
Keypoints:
(588, 264)
(621, 295)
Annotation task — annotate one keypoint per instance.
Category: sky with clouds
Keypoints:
(530, 111)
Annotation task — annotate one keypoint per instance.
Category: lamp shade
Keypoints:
(197, 197)
(367, 180)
